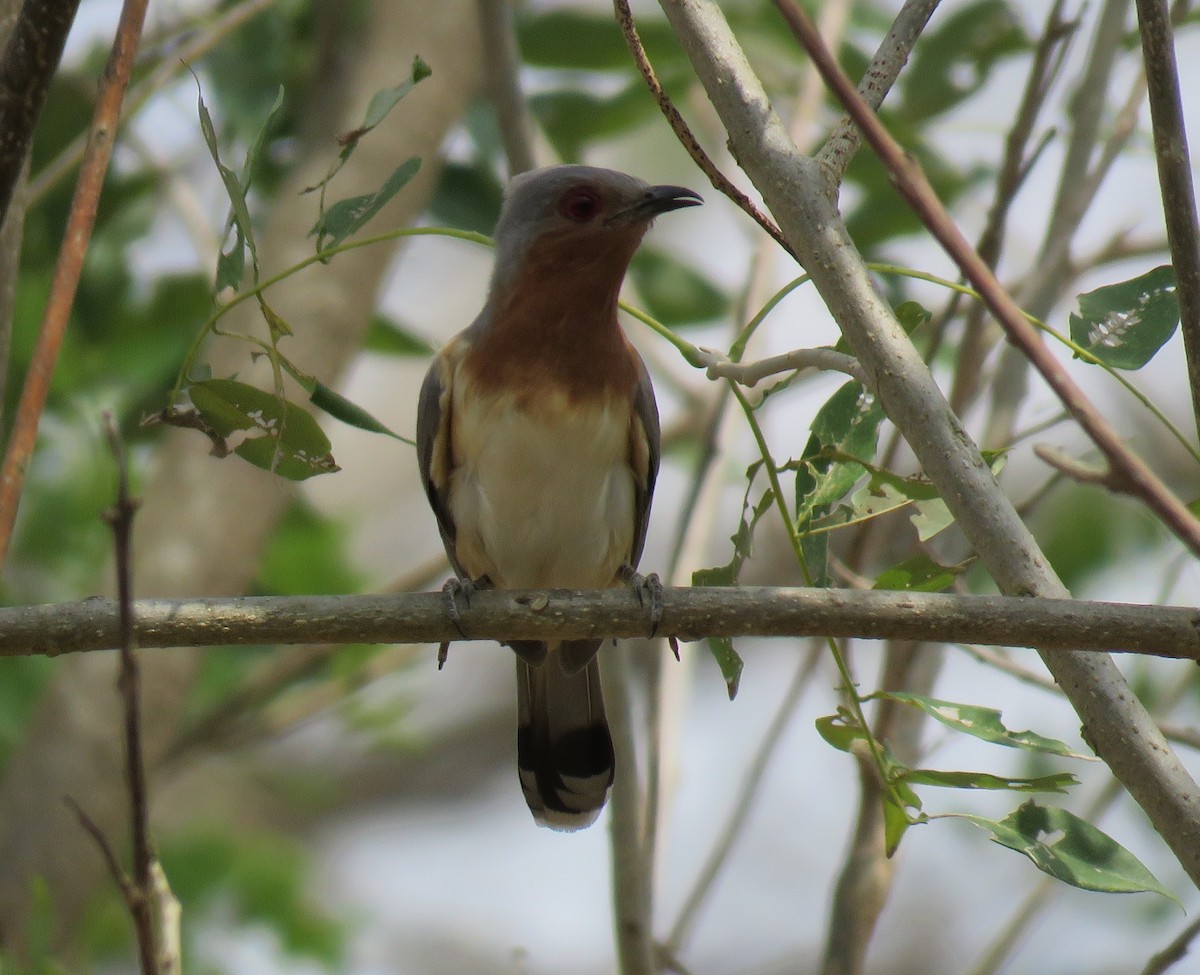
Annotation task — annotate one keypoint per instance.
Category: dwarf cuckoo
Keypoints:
(538, 441)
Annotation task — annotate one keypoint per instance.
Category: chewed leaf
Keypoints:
(840, 730)
(1055, 782)
(729, 660)
(983, 723)
(1072, 850)
(1124, 324)
(288, 440)
(848, 426)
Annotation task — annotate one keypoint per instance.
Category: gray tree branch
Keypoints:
(1051, 625)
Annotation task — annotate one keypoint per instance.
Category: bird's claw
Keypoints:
(453, 588)
(649, 590)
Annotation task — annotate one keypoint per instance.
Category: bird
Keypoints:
(538, 444)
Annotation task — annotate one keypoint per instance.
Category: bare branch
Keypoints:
(688, 614)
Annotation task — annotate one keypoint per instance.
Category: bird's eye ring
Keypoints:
(580, 204)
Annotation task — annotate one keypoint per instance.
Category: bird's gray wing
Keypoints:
(645, 450)
(434, 448)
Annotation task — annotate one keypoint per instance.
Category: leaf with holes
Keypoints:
(847, 425)
(1071, 849)
(289, 441)
(982, 723)
(1124, 325)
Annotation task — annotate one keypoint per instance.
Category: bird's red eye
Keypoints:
(580, 204)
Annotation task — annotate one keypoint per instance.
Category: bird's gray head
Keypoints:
(589, 216)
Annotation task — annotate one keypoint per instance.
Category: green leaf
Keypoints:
(384, 101)
(729, 661)
(840, 730)
(1056, 782)
(847, 424)
(982, 723)
(912, 315)
(1071, 849)
(919, 574)
(742, 538)
(292, 444)
(720, 575)
(281, 456)
(259, 145)
(348, 216)
(231, 265)
(896, 822)
(239, 212)
(340, 408)
(388, 337)
(1124, 324)
(931, 517)
(673, 292)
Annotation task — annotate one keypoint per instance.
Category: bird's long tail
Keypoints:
(564, 751)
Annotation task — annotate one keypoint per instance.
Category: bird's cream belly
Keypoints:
(542, 498)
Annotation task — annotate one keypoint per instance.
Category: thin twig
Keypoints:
(119, 876)
(885, 67)
(684, 133)
(1135, 475)
(120, 517)
(750, 374)
(78, 232)
(1174, 176)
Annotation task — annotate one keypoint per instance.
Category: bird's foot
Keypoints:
(451, 591)
(649, 590)
(453, 588)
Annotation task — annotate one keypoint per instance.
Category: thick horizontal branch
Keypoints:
(688, 614)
